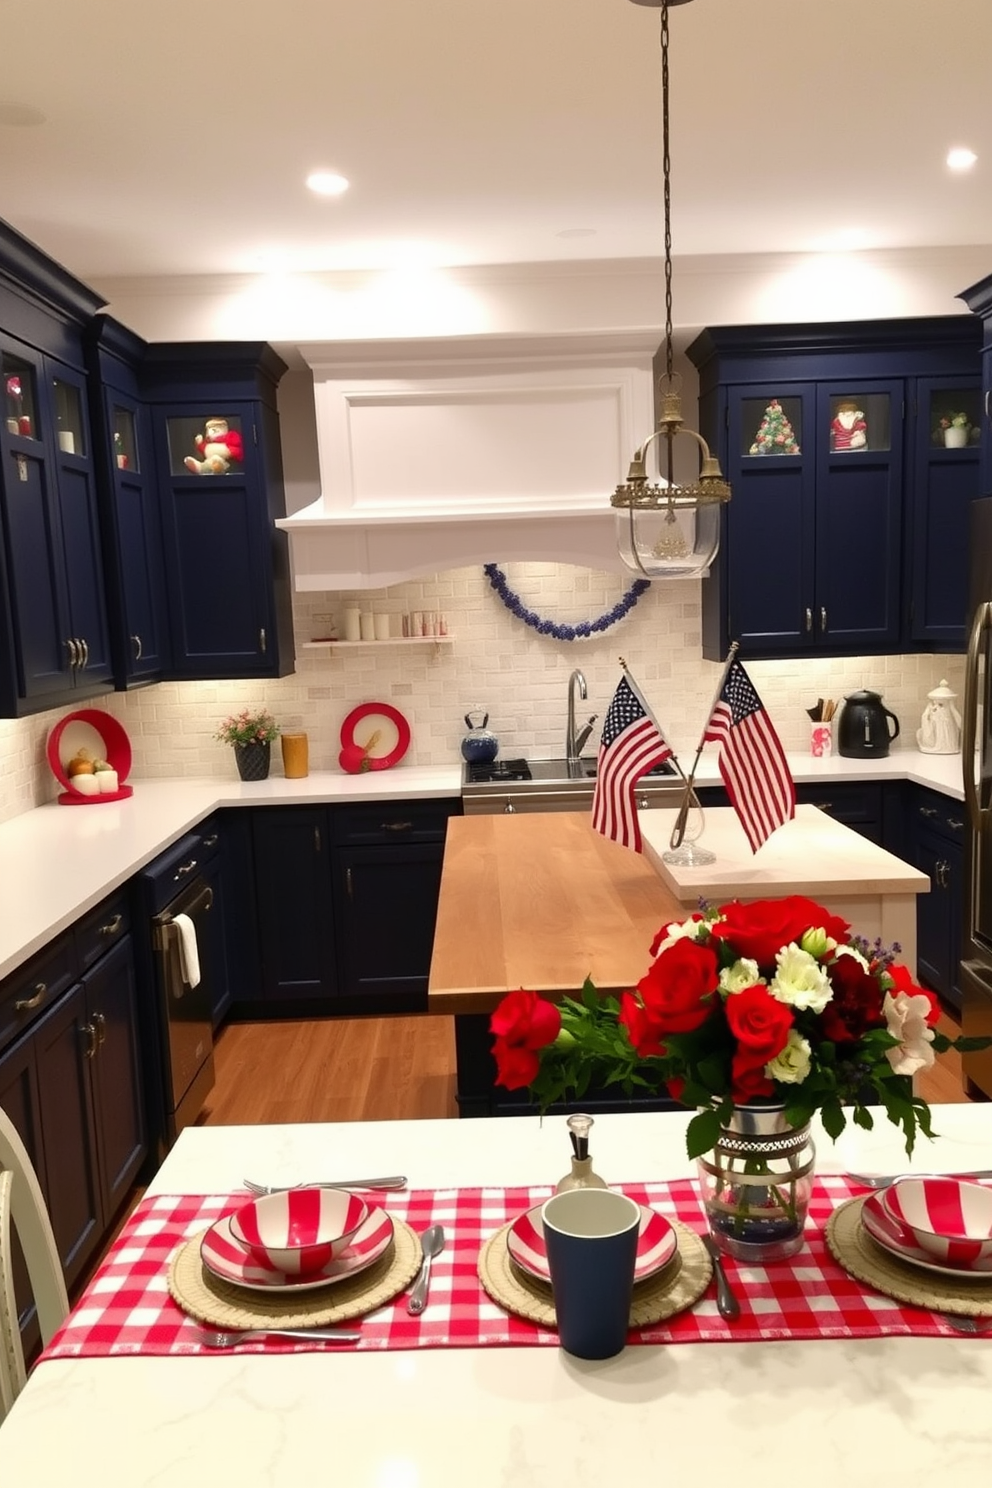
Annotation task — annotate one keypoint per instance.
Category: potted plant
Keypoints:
(953, 429)
(251, 735)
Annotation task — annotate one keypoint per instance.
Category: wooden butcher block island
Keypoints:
(541, 900)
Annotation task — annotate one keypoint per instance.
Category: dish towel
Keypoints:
(189, 955)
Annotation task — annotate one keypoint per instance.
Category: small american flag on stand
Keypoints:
(631, 744)
(752, 762)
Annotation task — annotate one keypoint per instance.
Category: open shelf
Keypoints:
(379, 645)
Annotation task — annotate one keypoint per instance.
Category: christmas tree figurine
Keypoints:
(774, 436)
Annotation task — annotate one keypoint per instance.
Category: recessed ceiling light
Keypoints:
(961, 159)
(327, 183)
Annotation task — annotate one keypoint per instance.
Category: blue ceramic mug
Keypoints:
(591, 1239)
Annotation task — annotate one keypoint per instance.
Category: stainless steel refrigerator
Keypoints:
(976, 752)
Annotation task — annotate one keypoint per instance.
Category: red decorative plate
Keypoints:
(656, 1244)
(105, 738)
(229, 1258)
(374, 736)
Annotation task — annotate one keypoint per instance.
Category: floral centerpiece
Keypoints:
(953, 428)
(251, 734)
(770, 1006)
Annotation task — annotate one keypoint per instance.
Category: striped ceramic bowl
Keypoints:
(949, 1218)
(301, 1230)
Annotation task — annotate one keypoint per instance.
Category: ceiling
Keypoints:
(173, 139)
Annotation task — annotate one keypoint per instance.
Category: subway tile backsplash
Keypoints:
(492, 660)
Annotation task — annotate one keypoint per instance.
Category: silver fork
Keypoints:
(877, 1180)
(260, 1189)
(214, 1339)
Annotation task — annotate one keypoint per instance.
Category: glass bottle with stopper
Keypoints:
(581, 1174)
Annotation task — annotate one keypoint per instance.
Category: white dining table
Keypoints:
(864, 1413)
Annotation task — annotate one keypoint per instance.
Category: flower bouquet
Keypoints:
(251, 735)
(747, 1011)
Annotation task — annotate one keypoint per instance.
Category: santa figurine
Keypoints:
(849, 429)
(218, 447)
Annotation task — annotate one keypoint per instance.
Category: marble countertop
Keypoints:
(61, 861)
(865, 1413)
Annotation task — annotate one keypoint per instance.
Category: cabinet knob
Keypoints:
(28, 1004)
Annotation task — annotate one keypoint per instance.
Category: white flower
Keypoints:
(743, 973)
(800, 980)
(793, 1064)
(847, 950)
(906, 1017)
(686, 930)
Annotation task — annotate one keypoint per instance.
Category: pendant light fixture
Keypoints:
(668, 530)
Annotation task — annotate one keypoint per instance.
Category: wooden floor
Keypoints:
(380, 1069)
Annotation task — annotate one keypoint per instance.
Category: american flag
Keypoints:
(752, 761)
(631, 744)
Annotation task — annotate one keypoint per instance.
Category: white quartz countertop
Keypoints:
(58, 862)
(812, 855)
(865, 1413)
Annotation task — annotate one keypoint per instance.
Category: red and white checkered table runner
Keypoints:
(127, 1308)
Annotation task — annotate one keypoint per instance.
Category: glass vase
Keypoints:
(756, 1184)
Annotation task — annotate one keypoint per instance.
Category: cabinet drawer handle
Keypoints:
(347, 882)
(954, 824)
(136, 643)
(316, 839)
(403, 826)
(28, 1004)
(86, 654)
(112, 926)
(183, 869)
(73, 649)
(100, 1023)
(940, 873)
(809, 619)
(262, 639)
(928, 811)
(89, 1033)
(212, 840)
(823, 805)
(823, 619)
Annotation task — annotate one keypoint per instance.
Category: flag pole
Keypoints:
(644, 704)
(678, 831)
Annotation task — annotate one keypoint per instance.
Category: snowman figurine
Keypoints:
(940, 726)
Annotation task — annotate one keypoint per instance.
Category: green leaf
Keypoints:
(862, 1117)
(833, 1118)
(703, 1132)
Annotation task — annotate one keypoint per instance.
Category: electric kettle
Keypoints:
(864, 731)
(480, 745)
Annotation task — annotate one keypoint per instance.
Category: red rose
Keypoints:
(856, 1004)
(525, 1020)
(759, 1023)
(642, 1032)
(516, 1067)
(747, 1079)
(678, 990)
(675, 1085)
(904, 983)
(761, 929)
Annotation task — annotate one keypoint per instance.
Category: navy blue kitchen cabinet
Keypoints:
(70, 1076)
(938, 835)
(827, 544)
(19, 1099)
(293, 905)
(860, 805)
(54, 637)
(387, 879)
(226, 564)
(978, 298)
(131, 526)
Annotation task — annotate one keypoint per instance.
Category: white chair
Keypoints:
(22, 1202)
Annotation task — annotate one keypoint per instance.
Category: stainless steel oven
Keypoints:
(546, 785)
(176, 886)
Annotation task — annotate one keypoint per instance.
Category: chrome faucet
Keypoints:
(571, 745)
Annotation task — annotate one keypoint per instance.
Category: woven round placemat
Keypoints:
(854, 1249)
(220, 1304)
(674, 1288)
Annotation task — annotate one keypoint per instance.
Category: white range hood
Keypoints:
(439, 454)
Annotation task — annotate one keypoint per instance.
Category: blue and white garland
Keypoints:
(583, 630)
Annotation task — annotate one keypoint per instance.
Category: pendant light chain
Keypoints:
(667, 170)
